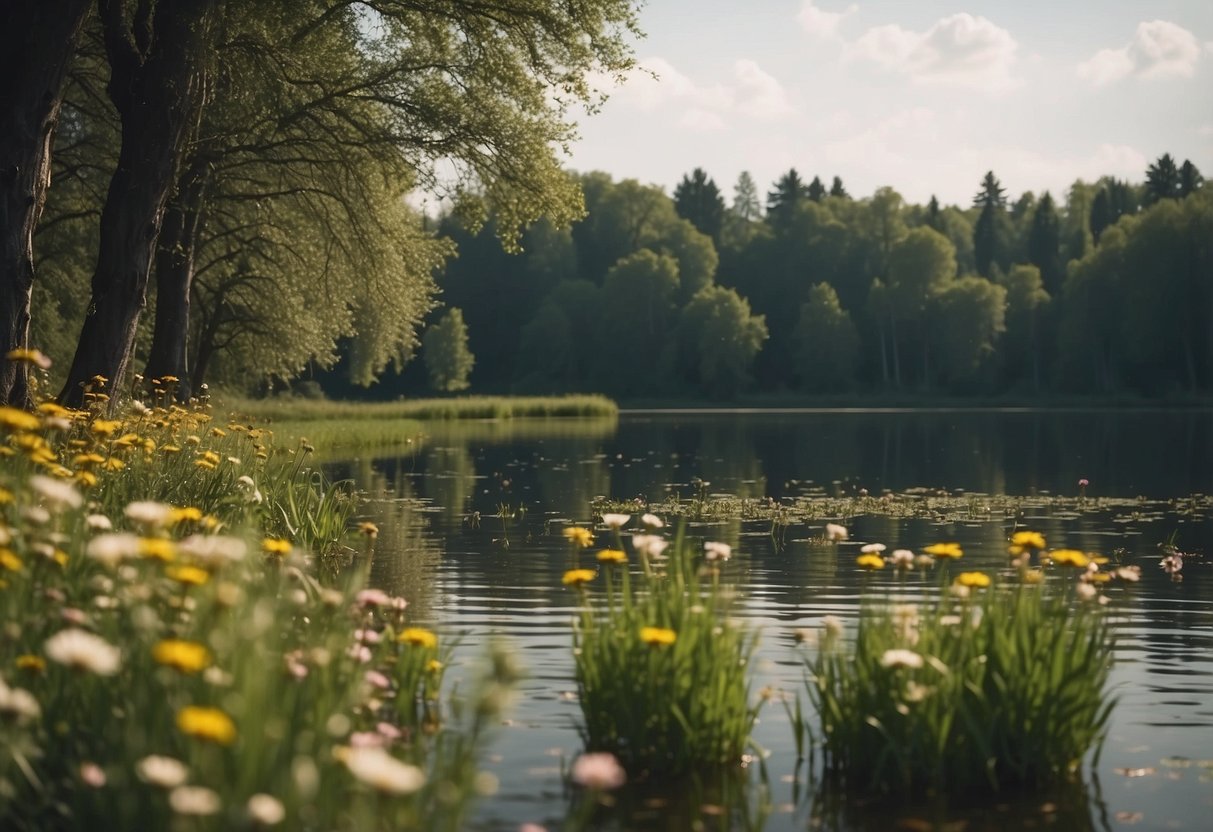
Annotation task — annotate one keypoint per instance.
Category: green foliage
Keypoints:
(680, 702)
(998, 688)
(445, 351)
(828, 342)
(968, 317)
(698, 200)
(724, 337)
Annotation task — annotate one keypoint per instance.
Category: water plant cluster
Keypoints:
(178, 646)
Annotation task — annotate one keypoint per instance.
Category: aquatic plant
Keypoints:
(997, 683)
(662, 671)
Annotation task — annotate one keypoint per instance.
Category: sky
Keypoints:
(923, 96)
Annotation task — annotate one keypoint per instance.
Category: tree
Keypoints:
(1162, 180)
(836, 189)
(992, 193)
(1101, 214)
(933, 218)
(990, 234)
(1027, 306)
(789, 192)
(968, 316)
(827, 342)
(37, 40)
(1190, 180)
(1044, 243)
(745, 198)
(920, 266)
(725, 337)
(637, 311)
(697, 199)
(448, 362)
(816, 190)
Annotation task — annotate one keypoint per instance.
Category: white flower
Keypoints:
(1085, 591)
(213, 550)
(266, 809)
(902, 558)
(82, 650)
(194, 800)
(713, 550)
(149, 513)
(598, 771)
(832, 625)
(900, 657)
(650, 545)
(1129, 573)
(140, 408)
(872, 548)
(835, 532)
(112, 549)
(652, 521)
(98, 523)
(381, 770)
(18, 704)
(57, 494)
(165, 772)
(616, 521)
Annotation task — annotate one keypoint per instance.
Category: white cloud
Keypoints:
(1159, 49)
(959, 50)
(758, 93)
(821, 23)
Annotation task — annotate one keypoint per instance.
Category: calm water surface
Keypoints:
(470, 519)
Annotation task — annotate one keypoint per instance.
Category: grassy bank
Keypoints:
(466, 407)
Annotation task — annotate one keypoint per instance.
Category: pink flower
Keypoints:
(598, 771)
(376, 679)
(372, 598)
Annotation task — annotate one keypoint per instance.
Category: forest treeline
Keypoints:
(805, 290)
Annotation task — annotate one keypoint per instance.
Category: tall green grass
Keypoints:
(662, 671)
(1004, 687)
(463, 407)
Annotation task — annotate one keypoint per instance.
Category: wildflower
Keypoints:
(1069, 557)
(16, 419)
(148, 513)
(18, 704)
(206, 464)
(186, 656)
(98, 523)
(194, 800)
(29, 356)
(188, 575)
(369, 529)
(112, 549)
(616, 521)
(81, 650)
(872, 548)
(598, 771)
(105, 427)
(1033, 576)
(577, 577)
(188, 514)
(372, 598)
(1084, 482)
(902, 558)
(870, 561)
(1026, 540)
(211, 550)
(649, 545)
(30, 663)
(944, 550)
(210, 724)
(835, 532)
(10, 562)
(114, 464)
(1172, 564)
(612, 556)
(1129, 573)
(217, 431)
(158, 548)
(165, 772)
(713, 550)
(418, 637)
(579, 536)
(658, 636)
(1085, 591)
(973, 580)
(92, 775)
(57, 495)
(900, 657)
(652, 521)
(276, 546)
(382, 771)
(832, 625)
(433, 666)
(266, 810)
(170, 449)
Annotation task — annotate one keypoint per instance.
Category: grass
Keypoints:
(463, 407)
(993, 686)
(662, 672)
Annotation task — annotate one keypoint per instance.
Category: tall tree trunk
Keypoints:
(157, 84)
(37, 40)
(174, 277)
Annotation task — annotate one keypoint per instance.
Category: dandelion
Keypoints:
(10, 562)
(105, 427)
(1069, 557)
(17, 704)
(713, 550)
(658, 636)
(158, 548)
(900, 657)
(165, 772)
(187, 575)
(186, 656)
(15, 419)
(577, 577)
(57, 495)
(612, 556)
(870, 562)
(98, 523)
(652, 521)
(616, 521)
(211, 550)
(944, 550)
(30, 663)
(81, 650)
(835, 532)
(369, 529)
(598, 771)
(188, 514)
(433, 666)
(276, 546)
(266, 810)
(579, 536)
(973, 580)
(210, 724)
(1022, 541)
(24, 355)
(418, 637)
(382, 771)
(194, 800)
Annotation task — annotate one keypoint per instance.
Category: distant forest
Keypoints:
(804, 290)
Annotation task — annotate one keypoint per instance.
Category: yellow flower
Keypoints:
(10, 561)
(206, 464)
(944, 550)
(612, 556)
(209, 724)
(1033, 576)
(218, 432)
(1097, 577)
(189, 575)
(1069, 557)
(16, 419)
(870, 561)
(418, 637)
(577, 577)
(276, 546)
(54, 409)
(6, 496)
(186, 656)
(85, 460)
(167, 379)
(657, 636)
(973, 580)
(170, 449)
(105, 427)
(433, 666)
(31, 663)
(1028, 540)
(86, 478)
(188, 514)
(368, 528)
(579, 536)
(29, 356)
(158, 548)
(114, 464)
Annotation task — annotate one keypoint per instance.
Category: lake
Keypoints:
(470, 519)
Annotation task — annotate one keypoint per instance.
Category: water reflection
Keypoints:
(469, 523)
